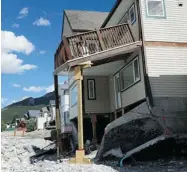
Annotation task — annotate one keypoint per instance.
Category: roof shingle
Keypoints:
(85, 20)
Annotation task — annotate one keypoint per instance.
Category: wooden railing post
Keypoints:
(100, 39)
(67, 48)
(130, 29)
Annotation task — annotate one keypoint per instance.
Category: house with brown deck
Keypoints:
(137, 54)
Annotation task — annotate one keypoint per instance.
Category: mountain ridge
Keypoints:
(19, 108)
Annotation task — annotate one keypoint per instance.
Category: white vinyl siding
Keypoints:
(167, 70)
(173, 28)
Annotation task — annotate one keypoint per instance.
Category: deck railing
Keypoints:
(88, 43)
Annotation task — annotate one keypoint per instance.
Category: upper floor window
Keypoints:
(155, 8)
(129, 15)
(132, 13)
(130, 74)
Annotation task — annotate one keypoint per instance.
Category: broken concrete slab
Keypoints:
(139, 126)
(161, 147)
(129, 131)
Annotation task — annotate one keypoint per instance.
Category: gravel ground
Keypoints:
(15, 153)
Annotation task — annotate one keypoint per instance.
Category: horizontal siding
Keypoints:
(120, 12)
(102, 102)
(173, 28)
(167, 70)
(137, 91)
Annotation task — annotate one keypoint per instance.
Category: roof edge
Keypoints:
(111, 13)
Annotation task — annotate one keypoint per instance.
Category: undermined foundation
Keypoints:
(146, 131)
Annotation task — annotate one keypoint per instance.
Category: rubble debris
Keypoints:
(130, 134)
(161, 147)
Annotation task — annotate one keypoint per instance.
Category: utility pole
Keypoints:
(58, 121)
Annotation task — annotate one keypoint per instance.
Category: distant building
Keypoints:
(32, 114)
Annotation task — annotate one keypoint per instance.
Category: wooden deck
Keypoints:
(90, 43)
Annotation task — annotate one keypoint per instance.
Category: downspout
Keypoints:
(146, 78)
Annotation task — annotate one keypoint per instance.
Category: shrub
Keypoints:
(31, 125)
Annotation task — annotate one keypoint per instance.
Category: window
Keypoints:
(130, 74)
(74, 95)
(132, 14)
(91, 89)
(155, 8)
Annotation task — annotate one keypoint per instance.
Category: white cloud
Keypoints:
(15, 25)
(38, 89)
(16, 85)
(41, 22)
(49, 88)
(3, 100)
(23, 13)
(25, 97)
(10, 44)
(13, 101)
(42, 52)
(33, 89)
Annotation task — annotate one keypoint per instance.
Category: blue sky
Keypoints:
(31, 32)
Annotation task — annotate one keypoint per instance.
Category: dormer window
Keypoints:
(155, 8)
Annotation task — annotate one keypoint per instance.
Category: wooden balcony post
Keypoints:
(100, 39)
(130, 29)
(67, 48)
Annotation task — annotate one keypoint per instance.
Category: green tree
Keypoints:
(14, 118)
(3, 126)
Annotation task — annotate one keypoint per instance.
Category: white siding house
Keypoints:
(165, 36)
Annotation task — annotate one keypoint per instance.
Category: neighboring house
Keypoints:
(44, 118)
(139, 55)
(32, 114)
(52, 110)
(64, 105)
(45, 112)
(7, 125)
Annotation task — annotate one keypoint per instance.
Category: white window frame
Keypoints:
(89, 91)
(76, 99)
(163, 6)
(135, 80)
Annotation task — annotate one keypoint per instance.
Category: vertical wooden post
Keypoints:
(94, 120)
(100, 40)
(79, 78)
(80, 153)
(58, 123)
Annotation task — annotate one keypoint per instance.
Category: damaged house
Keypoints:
(136, 79)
